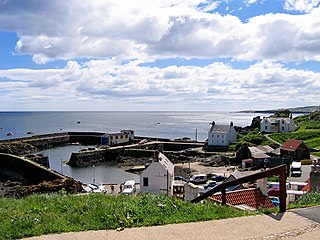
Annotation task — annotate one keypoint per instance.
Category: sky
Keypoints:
(159, 55)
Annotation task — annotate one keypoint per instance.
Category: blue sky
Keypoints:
(159, 55)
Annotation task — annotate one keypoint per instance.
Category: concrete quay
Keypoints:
(288, 225)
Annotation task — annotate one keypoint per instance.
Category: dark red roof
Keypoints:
(292, 144)
(251, 197)
(307, 187)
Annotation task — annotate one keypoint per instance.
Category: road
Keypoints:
(304, 176)
(312, 213)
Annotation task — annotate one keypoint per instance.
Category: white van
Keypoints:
(129, 187)
(296, 169)
(199, 178)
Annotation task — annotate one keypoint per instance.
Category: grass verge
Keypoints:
(308, 200)
(44, 214)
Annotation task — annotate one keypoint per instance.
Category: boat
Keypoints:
(29, 133)
(10, 134)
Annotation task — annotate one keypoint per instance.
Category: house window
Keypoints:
(116, 137)
(222, 136)
(217, 135)
(282, 121)
(222, 141)
(145, 182)
(282, 128)
(265, 128)
(121, 136)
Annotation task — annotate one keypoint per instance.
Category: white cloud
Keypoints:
(144, 29)
(111, 84)
(301, 5)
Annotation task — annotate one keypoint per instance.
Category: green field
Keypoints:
(308, 131)
(44, 214)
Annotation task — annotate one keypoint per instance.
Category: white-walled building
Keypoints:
(111, 139)
(221, 135)
(158, 176)
(277, 124)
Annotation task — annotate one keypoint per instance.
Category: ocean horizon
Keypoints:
(162, 124)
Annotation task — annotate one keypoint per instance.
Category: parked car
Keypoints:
(275, 192)
(94, 188)
(199, 179)
(129, 187)
(210, 185)
(180, 178)
(218, 178)
(275, 201)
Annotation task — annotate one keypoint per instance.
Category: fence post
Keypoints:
(283, 189)
(223, 196)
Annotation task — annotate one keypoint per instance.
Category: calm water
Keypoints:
(103, 173)
(153, 124)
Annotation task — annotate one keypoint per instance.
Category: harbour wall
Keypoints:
(91, 157)
(35, 173)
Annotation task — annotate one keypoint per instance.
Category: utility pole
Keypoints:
(196, 135)
(93, 174)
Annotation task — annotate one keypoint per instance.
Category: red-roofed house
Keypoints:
(295, 150)
(251, 197)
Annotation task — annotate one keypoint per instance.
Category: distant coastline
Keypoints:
(297, 110)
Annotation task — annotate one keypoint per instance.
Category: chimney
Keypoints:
(231, 124)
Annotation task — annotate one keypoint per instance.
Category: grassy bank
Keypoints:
(308, 131)
(44, 214)
(308, 200)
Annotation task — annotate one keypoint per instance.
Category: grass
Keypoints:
(44, 214)
(308, 131)
(308, 200)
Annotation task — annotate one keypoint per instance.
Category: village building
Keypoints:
(277, 124)
(221, 135)
(111, 139)
(294, 150)
(259, 156)
(158, 176)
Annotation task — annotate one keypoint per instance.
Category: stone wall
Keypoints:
(28, 169)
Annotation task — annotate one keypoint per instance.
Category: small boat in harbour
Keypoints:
(10, 134)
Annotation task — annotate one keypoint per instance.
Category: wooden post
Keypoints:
(283, 189)
(223, 196)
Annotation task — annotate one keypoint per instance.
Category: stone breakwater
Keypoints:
(134, 151)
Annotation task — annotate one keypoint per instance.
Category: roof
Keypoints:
(165, 162)
(307, 187)
(291, 144)
(247, 160)
(251, 197)
(265, 149)
(277, 119)
(220, 128)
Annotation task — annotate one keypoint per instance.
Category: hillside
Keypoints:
(308, 130)
(306, 109)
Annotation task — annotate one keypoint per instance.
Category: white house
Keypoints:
(276, 124)
(125, 136)
(158, 176)
(221, 135)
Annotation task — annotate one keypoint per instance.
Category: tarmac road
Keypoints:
(312, 213)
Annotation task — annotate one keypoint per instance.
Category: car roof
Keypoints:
(130, 182)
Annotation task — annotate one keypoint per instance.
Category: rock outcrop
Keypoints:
(17, 148)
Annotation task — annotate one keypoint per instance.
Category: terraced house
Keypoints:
(277, 124)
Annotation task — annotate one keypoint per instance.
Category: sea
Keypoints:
(160, 124)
